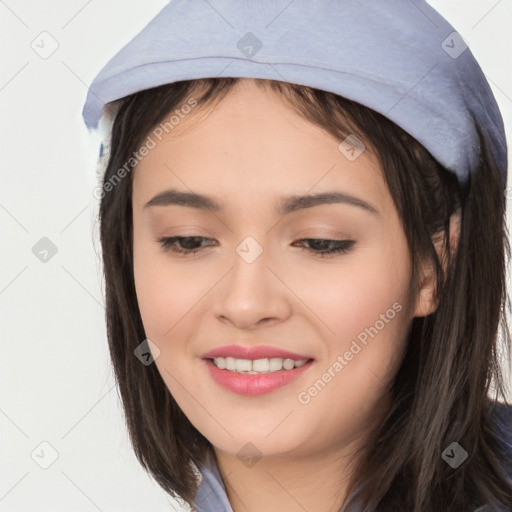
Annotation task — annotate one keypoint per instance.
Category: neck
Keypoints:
(318, 481)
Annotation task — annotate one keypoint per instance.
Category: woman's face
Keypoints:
(256, 282)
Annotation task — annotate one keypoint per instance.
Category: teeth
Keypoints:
(243, 365)
(288, 364)
(276, 364)
(261, 365)
(273, 364)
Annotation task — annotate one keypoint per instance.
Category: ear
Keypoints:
(425, 303)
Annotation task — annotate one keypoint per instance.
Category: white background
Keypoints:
(55, 377)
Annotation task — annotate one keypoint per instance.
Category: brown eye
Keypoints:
(189, 244)
(324, 247)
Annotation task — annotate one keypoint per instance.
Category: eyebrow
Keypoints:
(286, 205)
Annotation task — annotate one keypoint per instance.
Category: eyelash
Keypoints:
(341, 247)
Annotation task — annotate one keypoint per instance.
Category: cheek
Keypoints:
(349, 387)
(353, 293)
(165, 292)
(365, 310)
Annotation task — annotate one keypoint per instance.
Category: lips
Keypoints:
(256, 352)
(253, 384)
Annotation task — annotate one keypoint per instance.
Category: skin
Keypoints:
(247, 152)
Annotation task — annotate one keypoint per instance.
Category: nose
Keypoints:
(252, 294)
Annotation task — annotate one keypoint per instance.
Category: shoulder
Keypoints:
(501, 416)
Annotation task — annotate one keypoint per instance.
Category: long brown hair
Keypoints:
(442, 391)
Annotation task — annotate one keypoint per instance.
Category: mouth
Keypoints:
(257, 366)
(253, 371)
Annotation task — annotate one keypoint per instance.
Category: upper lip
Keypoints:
(253, 352)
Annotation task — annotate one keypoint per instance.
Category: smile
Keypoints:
(251, 377)
(257, 366)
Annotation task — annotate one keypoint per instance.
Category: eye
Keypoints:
(318, 246)
(192, 244)
(189, 242)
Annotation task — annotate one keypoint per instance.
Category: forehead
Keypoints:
(252, 142)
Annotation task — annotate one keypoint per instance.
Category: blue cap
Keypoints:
(399, 57)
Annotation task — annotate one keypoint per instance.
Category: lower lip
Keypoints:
(251, 384)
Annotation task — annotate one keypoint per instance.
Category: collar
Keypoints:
(211, 495)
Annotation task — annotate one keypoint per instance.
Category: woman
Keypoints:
(302, 223)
